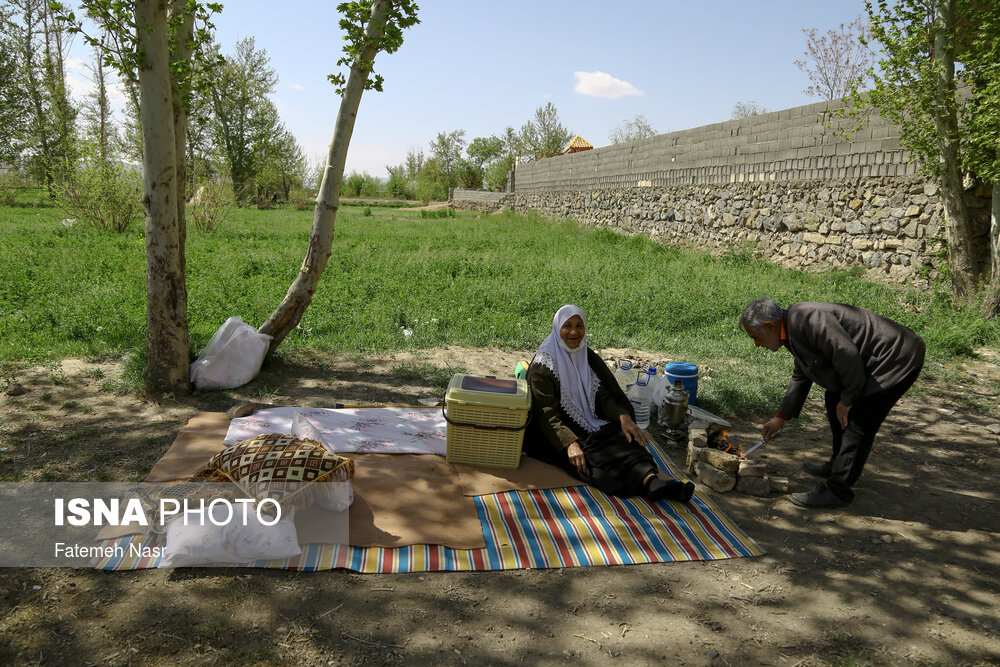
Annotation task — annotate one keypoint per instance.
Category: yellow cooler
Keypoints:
(486, 419)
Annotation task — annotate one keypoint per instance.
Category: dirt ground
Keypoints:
(910, 574)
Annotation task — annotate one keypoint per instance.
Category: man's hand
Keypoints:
(772, 426)
(575, 455)
(633, 433)
(842, 411)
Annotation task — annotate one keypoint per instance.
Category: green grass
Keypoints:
(476, 280)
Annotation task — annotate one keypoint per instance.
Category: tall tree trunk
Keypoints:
(288, 313)
(183, 41)
(961, 240)
(168, 356)
(991, 302)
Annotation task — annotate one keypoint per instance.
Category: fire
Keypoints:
(723, 444)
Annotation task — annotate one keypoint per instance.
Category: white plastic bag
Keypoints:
(233, 356)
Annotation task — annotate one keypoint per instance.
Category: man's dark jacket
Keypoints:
(846, 349)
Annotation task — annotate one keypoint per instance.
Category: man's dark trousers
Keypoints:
(852, 445)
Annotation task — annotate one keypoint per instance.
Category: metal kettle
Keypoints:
(675, 405)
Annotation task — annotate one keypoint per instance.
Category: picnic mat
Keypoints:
(520, 528)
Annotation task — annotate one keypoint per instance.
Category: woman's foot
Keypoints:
(669, 489)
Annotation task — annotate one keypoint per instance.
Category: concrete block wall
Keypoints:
(802, 143)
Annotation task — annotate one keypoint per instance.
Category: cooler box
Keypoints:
(486, 419)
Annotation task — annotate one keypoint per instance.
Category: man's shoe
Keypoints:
(818, 469)
(821, 496)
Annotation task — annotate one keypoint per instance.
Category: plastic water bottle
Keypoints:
(625, 375)
(641, 396)
(654, 384)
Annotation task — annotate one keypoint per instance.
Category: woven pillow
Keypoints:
(281, 467)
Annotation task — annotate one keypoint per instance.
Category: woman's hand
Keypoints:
(633, 433)
(575, 454)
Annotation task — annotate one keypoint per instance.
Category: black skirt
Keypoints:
(614, 465)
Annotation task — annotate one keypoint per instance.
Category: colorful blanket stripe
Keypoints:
(568, 527)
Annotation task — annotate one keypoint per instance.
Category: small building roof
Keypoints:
(577, 144)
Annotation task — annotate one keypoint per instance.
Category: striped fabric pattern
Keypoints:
(567, 527)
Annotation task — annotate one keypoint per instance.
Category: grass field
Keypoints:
(474, 280)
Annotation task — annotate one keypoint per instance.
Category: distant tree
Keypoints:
(490, 155)
(243, 113)
(370, 27)
(468, 174)
(447, 148)
(632, 130)
(498, 172)
(747, 109)
(13, 103)
(95, 111)
(543, 136)
(836, 59)
(414, 161)
(50, 135)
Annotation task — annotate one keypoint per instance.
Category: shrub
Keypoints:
(211, 205)
(301, 200)
(366, 211)
(428, 191)
(396, 187)
(107, 196)
(440, 213)
(360, 185)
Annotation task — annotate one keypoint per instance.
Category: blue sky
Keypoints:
(481, 65)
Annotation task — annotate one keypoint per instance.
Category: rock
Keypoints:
(779, 484)
(714, 478)
(755, 486)
(718, 459)
(886, 538)
(692, 457)
(992, 428)
(752, 469)
(241, 410)
(16, 389)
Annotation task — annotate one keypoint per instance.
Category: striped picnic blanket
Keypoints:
(565, 527)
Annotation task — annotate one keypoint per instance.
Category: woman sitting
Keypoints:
(583, 422)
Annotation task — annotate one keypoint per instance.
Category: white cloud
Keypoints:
(599, 84)
(296, 86)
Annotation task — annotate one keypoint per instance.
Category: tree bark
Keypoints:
(961, 248)
(289, 312)
(991, 301)
(168, 355)
(183, 40)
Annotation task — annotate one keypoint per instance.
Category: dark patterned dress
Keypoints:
(614, 465)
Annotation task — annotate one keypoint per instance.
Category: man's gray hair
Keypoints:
(760, 311)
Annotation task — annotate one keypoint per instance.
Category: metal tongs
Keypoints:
(773, 436)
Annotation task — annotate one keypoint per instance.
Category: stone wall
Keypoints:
(889, 226)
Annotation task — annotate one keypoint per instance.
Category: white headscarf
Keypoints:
(577, 382)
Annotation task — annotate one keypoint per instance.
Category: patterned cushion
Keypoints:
(281, 467)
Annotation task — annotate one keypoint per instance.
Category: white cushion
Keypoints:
(197, 544)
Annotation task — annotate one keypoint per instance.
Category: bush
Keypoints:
(211, 205)
(396, 187)
(366, 211)
(360, 185)
(107, 196)
(428, 191)
(301, 200)
(440, 213)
